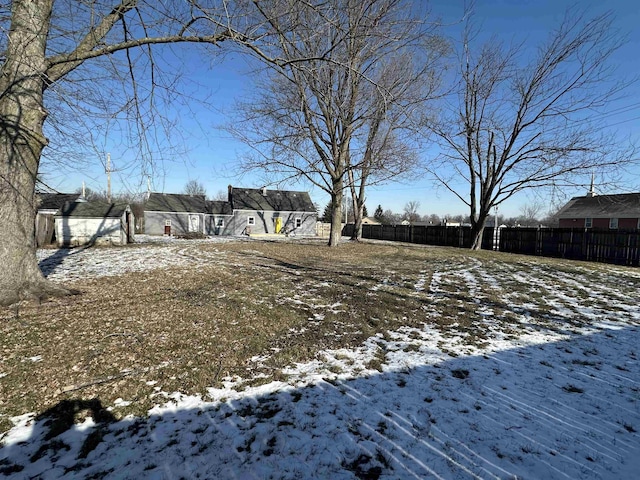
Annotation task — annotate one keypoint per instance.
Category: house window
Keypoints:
(219, 222)
(298, 222)
(167, 223)
(251, 220)
(613, 223)
(588, 222)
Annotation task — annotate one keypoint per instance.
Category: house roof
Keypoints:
(53, 201)
(218, 207)
(175, 202)
(92, 210)
(626, 205)
(271, 200)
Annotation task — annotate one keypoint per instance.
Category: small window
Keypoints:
(167, 223)
(251, 220)
(588, 222)
(298, 222)
(219, 222)
(613, 223)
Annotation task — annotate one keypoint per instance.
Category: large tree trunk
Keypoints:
(336, 213)
(22, 115)
(477, 230)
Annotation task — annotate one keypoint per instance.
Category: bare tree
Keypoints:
(335, 120)
(221, 195)
(530, 213)
(194, 187)
(65, 54)
(411, 211)
(526, 119)
(393, 111)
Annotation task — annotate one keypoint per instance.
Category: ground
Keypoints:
(261, 359)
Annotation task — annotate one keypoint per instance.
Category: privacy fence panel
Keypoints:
(606, 246)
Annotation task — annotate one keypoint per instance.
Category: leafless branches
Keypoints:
(339, 116)
(524, 119)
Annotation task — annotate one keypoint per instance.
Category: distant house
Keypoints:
(247, 211)
(272, 211)
(94, 223)
(604, 212)
(175, 214)
(48, 204)
(370, 221)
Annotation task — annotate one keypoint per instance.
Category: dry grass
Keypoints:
(256, 309)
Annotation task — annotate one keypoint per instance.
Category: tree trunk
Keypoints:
(477, 230)
(22, 115)
(357, 223)
(336, 214)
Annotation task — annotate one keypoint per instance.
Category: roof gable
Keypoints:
(175, 202)
(604, 206)
(271, 200)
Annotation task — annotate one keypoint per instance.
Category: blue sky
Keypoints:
(210, 155)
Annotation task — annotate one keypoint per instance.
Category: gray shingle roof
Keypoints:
(53, 201)
(218, 207)
(175, 202)
(273, 200)
(92, 210)
(626, 205)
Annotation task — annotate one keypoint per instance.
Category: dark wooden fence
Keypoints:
(423, 234)
(606, 246)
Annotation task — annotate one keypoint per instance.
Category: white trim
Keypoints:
(613, 224)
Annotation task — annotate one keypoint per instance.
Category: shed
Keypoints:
(90, 223)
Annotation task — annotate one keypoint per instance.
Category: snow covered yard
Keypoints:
(291, 360)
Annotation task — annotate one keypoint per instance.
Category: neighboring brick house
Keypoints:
(247, 211)
(603, 212)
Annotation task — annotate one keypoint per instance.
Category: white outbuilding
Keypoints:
(94, 223)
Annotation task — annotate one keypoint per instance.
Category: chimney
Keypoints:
(264, 191)
(230, 189)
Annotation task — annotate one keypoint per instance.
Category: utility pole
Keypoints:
(108, 172)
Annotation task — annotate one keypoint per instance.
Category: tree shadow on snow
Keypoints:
(569, 409)
(49, 264)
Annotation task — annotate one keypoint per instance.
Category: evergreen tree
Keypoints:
(326, 215)
(379, 214)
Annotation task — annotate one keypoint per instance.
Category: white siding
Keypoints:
(81, 231)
